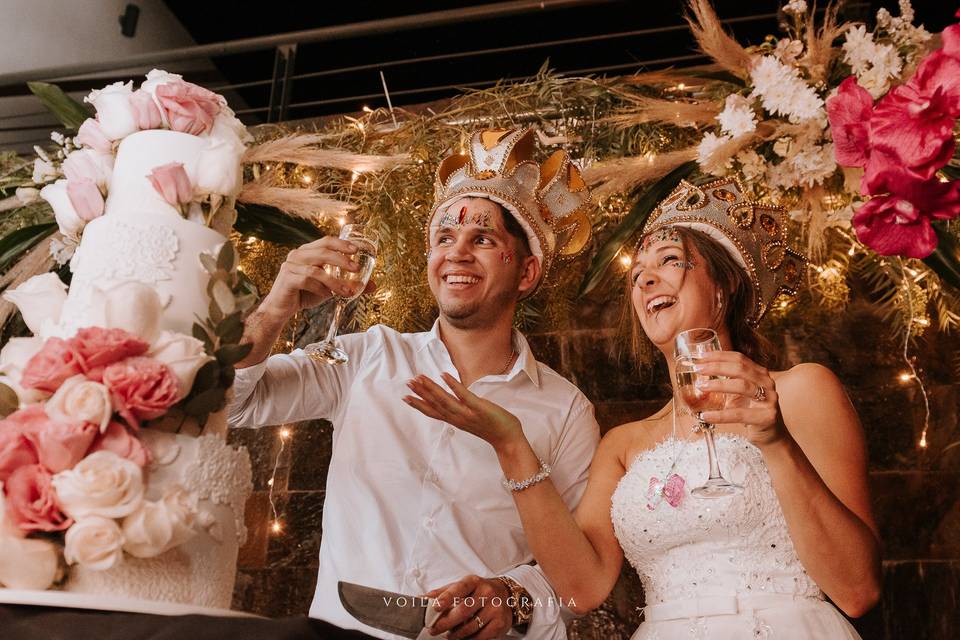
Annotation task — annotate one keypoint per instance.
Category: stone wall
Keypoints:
(916, 493)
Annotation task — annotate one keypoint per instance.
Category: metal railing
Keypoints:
(285, 46)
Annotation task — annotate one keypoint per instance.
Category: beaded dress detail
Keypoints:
(735, 551)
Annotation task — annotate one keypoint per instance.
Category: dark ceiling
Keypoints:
(427, 80)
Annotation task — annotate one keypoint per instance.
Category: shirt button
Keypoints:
(415, 572)
(449, 431)
(428, 523)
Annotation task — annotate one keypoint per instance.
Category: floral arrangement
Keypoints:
(852, 129)
(72, 465)
(74, 450)
(901, 142)
(75, 179)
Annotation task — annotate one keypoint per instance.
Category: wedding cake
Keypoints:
(117, 480)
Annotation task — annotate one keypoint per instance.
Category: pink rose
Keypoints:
(190, 109)
(90, 134)
(172, 182)
(99, 347)
(146, 113)
(59, 445)
(141, 389)
(898, 223)
(86, 198)
(15, 450)
(849, 112)
(117, 439)
(32, 502)
(56, 361)
(915, 127)
(940, 70)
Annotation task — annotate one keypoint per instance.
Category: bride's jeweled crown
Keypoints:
(754, 233)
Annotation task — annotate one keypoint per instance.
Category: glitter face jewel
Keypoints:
(506, 257)
(687, 265)
(666, 234)
(672, 491)
(463, 212)
(457, 221)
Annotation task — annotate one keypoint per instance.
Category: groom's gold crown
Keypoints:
(549, 200)
(755, 234)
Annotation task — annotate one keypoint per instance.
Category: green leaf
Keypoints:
(200, 333)
(15, 244)
(210, 401)
(230, 329)
(227, 258)
(209, 263)
(215, 314)
(9, 402)
(230, 354)
(273, 225)
(945, 259)
(64, 108)
(951, 171)
(206, 377)
(631, 224)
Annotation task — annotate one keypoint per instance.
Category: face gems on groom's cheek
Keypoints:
(506, 257)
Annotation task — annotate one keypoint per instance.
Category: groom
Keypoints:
(412, 505)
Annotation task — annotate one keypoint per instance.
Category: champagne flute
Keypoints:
(689, 346)
(366, 241)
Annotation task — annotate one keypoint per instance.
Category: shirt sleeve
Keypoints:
(292, 387)
(570, 464)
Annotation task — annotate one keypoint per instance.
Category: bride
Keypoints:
(755, 564)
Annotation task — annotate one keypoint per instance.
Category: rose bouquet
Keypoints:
(901, 142)
(77, 176)
(72, 466)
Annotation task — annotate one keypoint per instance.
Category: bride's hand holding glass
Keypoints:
(751, 394)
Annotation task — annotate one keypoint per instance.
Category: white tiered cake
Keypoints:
(170, 529)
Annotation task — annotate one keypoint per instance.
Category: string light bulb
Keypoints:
(626, 260)
(284, 433)
(905, 377)
(276, 527)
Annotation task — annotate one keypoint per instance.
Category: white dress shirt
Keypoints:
(413, 503)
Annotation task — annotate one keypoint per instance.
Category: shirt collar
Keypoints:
(525, 362)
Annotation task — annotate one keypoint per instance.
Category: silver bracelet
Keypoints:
(520, 485)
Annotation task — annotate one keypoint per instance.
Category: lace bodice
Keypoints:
(737, 545)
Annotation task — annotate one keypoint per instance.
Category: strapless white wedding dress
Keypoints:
(720, 568)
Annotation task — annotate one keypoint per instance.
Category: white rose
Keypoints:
(102, 484)
(218, 169)
(94, 543)
(67, 219)
(43, 171)
(183, 354)
(25, 563)
(79, 399)
(131, 306)
(38, 299)
(91, 164)
(157, 527)
(13, 358)
(114, 112)
(27, 195)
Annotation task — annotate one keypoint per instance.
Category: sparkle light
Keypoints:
(276, 526)
(284, 433)
(905, 377)
(626, 260)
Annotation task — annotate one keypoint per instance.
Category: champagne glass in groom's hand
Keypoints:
(366, 241)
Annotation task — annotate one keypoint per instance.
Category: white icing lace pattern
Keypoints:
(221, 474)
(737, 545)
(154, 248)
